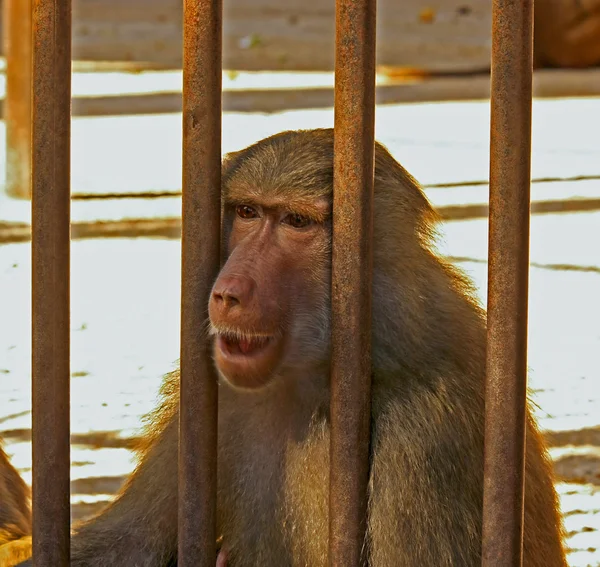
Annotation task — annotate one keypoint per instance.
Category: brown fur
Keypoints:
(567, 33)
(425, 502)
(15, 515)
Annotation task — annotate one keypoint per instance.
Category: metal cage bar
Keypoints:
(352, 261)
(51, 156)
(508, 278)
(201, 226)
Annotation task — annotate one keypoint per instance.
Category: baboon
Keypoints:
(15, 515)
(567, 33)
(270, 319)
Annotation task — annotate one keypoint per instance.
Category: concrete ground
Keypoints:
(125, 292)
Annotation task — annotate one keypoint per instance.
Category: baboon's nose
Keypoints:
(233, 291)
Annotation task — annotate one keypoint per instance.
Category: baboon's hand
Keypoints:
(14, 551)
(222, 558)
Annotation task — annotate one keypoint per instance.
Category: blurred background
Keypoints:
(433, 114)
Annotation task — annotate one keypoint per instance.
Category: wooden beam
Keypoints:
(547, 84)
(17, 104)
(451, 35)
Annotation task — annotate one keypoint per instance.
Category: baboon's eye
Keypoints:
(246, 212)
(297, 221)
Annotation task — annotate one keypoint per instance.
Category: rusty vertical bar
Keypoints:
(508, 279)
(352, 260)
(200, 261)
(17, 103)
(51, 160)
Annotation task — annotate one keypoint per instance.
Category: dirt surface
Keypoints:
(125, 292)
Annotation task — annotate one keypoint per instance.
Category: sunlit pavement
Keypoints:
(125, 293)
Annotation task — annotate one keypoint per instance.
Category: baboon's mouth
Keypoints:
(246, 345)
(247, 360)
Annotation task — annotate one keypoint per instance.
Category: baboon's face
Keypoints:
(269, 308)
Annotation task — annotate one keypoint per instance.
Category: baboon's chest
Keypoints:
(273, 501)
